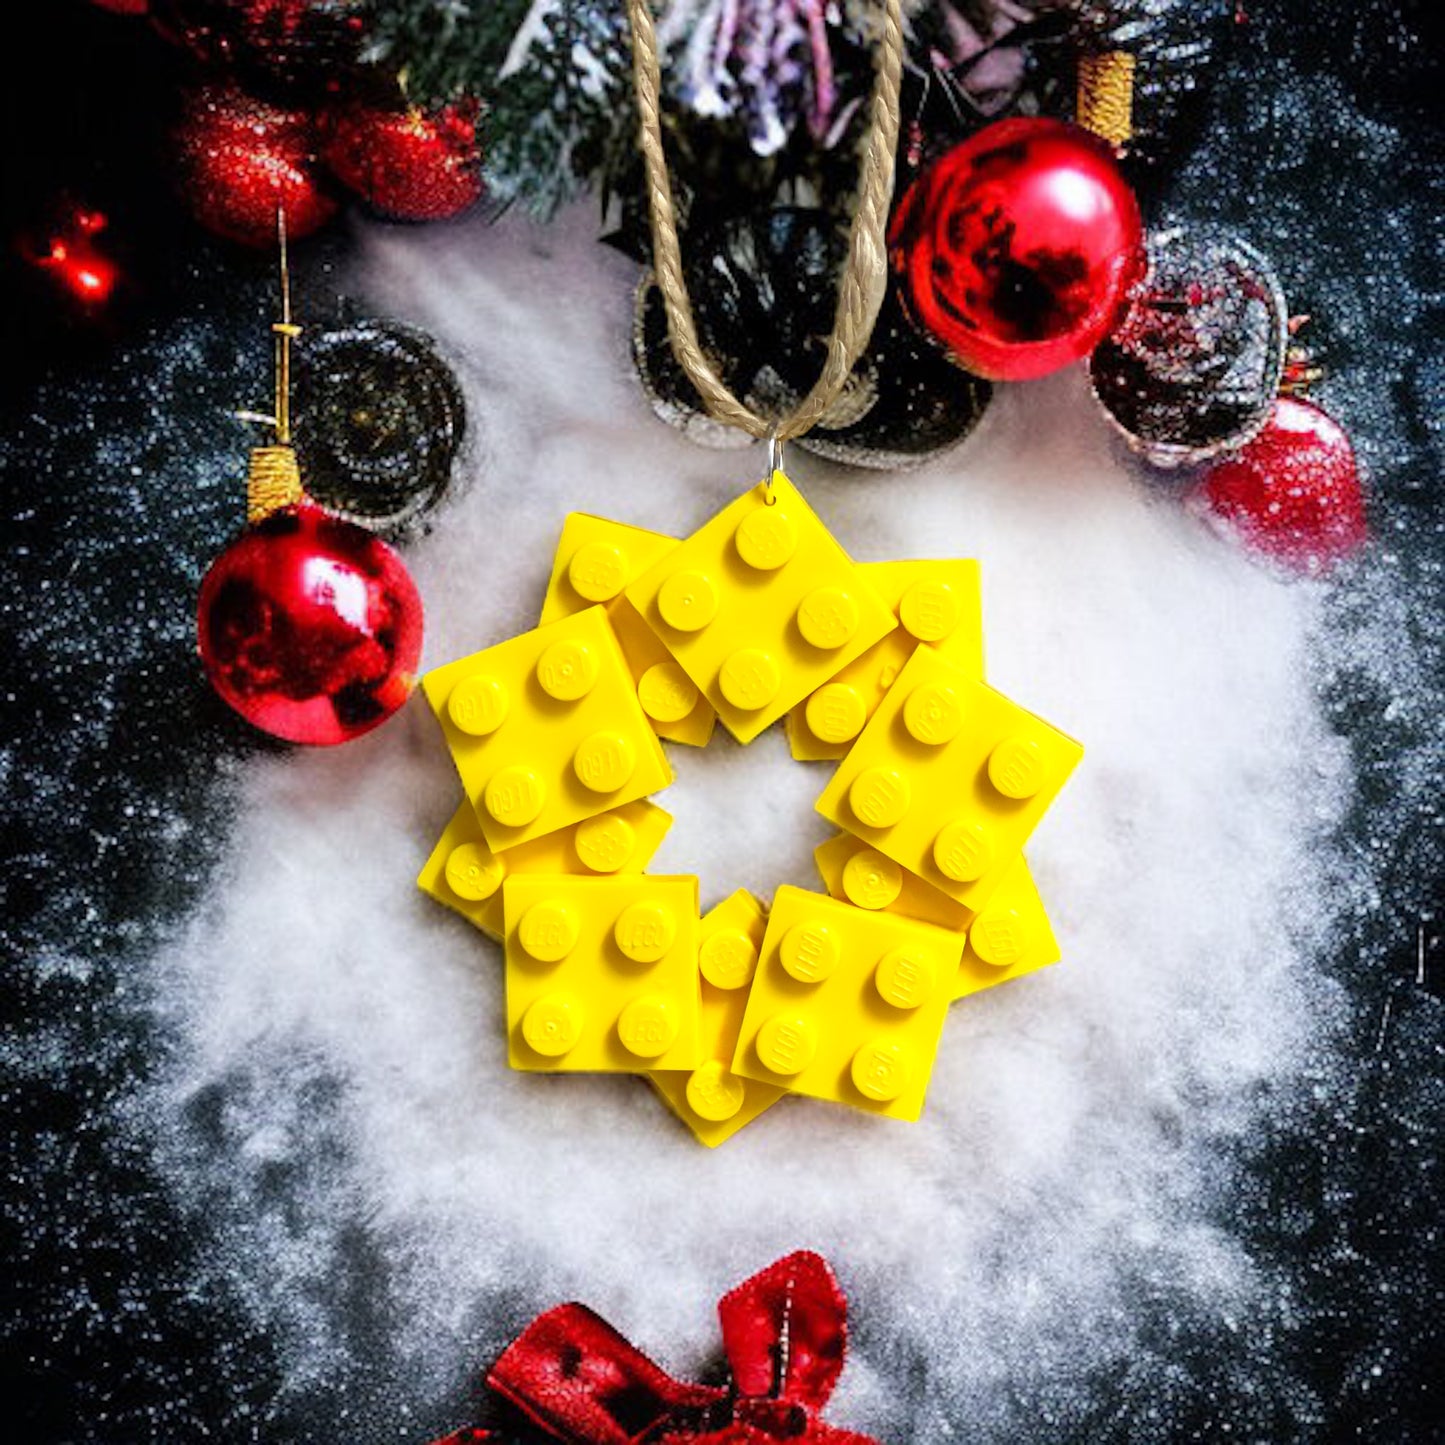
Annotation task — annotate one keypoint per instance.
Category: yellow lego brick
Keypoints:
(760, 607)
(847, 1005)
(602, 973)
(938, 603)
(711, 1100)
(546, 729)
(1010, 938)
(465, 875)
(595, 560)
(949, 778)
(876, 882)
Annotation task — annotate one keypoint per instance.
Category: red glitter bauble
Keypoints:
(240, 159)
(1293, 493)
(310, 627)
(409, 164)
(1016, 248)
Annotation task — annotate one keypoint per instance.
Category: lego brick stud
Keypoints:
(514, 796)
(809, 952)
(598, 572)
(727, 958)
(648, 1027)
(787, 1043)
(714, 1093)
(567, 670)
(766, 539)
(645, 932)
(478, 704)
(473, 873)
(870, 880)
(548, 931)
(605, 761)
(880, 1071)
(963, 851)
(666, 692)
(688, 601)
(836, 713)
(553, 1024)
(604, 844)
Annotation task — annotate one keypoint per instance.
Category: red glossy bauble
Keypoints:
(124, 7)
(409, 164)
(239, 159)
(310, 627)
(1293, 493)
(1015, 249)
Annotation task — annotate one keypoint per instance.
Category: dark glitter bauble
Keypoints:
(302, 49)
(310, 627)
(239, 159)
(763, 291)
(379, 419)
(1193, 368)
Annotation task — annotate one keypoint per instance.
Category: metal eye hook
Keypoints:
(775, 464)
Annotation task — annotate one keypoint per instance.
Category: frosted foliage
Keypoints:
(1066, 1163)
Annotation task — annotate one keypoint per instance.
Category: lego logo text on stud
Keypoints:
(666, 692)
(1016, 767)
(605, 843)
(880, 797)
(567, 670)
(598, 572)
(548, 931)
(605, 761)
(515, 796)
(727, 958)
(473, 873)
(714, 1093)
(553, 1025)
(478, 704)
(766, 539)
(786, 1044)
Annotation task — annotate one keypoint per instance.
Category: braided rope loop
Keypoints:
(864, 281)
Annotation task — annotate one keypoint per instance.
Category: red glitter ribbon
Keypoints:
(784, 1332)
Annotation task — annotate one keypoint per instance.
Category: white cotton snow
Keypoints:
(1070, 1152)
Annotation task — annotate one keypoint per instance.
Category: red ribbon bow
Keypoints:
(784, 1333)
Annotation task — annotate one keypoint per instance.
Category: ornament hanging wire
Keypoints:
(865, 273)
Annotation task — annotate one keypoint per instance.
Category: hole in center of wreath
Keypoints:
(742, 817)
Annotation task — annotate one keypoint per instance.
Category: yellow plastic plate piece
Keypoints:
(1013, 933)
(847, 1004)
(760, 607)
(602, 973)
(546, 729)
(938, 603)
(595, 560)
(949, 778)
(465, 875)
(711, 1100)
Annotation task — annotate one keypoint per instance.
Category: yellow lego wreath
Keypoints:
(758, 616)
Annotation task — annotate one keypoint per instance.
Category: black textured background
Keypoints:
(1323, 142)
